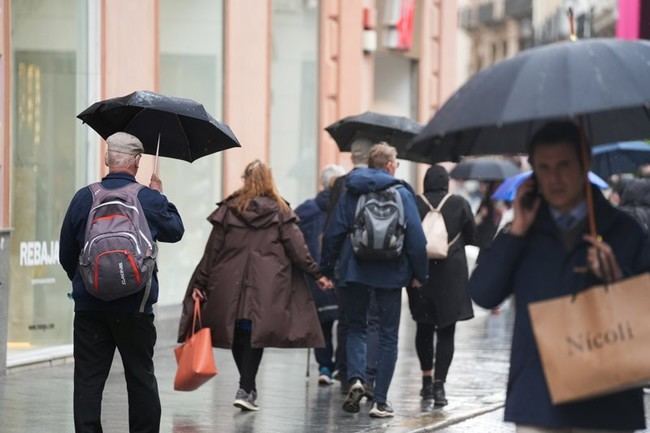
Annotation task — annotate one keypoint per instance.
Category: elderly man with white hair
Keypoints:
(313, 214)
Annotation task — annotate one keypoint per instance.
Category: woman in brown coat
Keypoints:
(252, 280)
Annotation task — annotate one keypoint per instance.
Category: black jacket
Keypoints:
(443, 300)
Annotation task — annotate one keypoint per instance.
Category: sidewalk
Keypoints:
(40, 399)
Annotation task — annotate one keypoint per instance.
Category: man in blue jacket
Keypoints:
(125, 323)
(546, 254)
(358, 277)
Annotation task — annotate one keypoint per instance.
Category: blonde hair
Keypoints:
(258, 182)
(380, 155)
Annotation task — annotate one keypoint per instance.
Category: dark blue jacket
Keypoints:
(312, 215)
(165, 224)
(536, 267)
(338, 260)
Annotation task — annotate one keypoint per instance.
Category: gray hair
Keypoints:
(120, 159)
(359, 149)
(329, 174)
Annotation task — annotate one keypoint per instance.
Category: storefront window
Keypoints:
(50, 77)
(191, 66)
(294, 87)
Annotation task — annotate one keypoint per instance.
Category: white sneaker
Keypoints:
(381, 410)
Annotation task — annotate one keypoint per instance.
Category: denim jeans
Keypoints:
(356, 300)
(325, 354)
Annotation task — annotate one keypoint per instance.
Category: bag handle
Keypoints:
(197, 313)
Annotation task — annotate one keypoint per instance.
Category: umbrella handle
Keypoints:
(156, 163)
(584, 154)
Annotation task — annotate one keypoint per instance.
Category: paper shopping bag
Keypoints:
(597, 342)
(194, 357)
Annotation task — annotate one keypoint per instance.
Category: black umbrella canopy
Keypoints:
(397, 131)
(484, 169)
(604, 82)
(187, 131)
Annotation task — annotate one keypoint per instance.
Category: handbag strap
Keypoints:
(196, 315)
(440, 205)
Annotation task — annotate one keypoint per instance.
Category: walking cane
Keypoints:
(308, 360)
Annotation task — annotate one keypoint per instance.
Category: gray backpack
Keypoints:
(119, 253)
(379, 225)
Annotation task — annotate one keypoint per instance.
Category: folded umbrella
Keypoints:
(484, 169)
(508, 189)
(185, 129)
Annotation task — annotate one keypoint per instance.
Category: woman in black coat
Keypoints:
(443, 300)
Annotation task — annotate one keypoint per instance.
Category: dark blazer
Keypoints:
(539, 266)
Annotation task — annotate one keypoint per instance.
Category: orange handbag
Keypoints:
(194, 357)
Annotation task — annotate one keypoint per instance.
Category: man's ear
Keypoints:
(106, 159)
(137, 160)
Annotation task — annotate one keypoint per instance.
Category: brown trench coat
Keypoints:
(254, 268)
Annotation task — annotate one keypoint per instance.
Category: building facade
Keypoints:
(276, 71)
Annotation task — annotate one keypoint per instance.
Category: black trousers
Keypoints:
(96, 335)
(247, 359)
(444, 348)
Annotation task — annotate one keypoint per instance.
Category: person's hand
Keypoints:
(601, 260)
(325, 283)
(200, 295)
(415, 283)
(524, 216)
(155, 183)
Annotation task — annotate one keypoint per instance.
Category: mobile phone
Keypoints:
(528, 200)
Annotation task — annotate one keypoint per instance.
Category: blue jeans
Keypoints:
(356, 300)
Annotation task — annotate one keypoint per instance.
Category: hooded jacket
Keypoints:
(312, 216)
(253, 268)
(338, 260)
(539, 266)
(443, 300)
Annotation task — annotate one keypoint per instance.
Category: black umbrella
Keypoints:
(395, 130)
(185, 129)
(484, 169)
(605, 82)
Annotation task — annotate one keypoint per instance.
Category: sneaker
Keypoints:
(381, 410)
(246, 400)
(356, 392)
(439, 398)
(325, 376)
(427, 391)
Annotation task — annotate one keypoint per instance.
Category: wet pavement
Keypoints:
(40, 399)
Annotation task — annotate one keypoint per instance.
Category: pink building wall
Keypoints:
(628, 25)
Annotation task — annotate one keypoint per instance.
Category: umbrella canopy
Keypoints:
(605, 82)
(484, 169)
(616, 158)
(395, 130)
(508, 189)
(185, 128)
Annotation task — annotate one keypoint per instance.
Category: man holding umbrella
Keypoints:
(545, 254)
(103, 323)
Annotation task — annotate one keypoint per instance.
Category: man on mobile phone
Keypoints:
(547, 253)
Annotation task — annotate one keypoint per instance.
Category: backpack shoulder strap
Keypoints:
(442, 202)
(426, 201)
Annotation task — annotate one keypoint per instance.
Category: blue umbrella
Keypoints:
(623, 157)
(508, 189)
